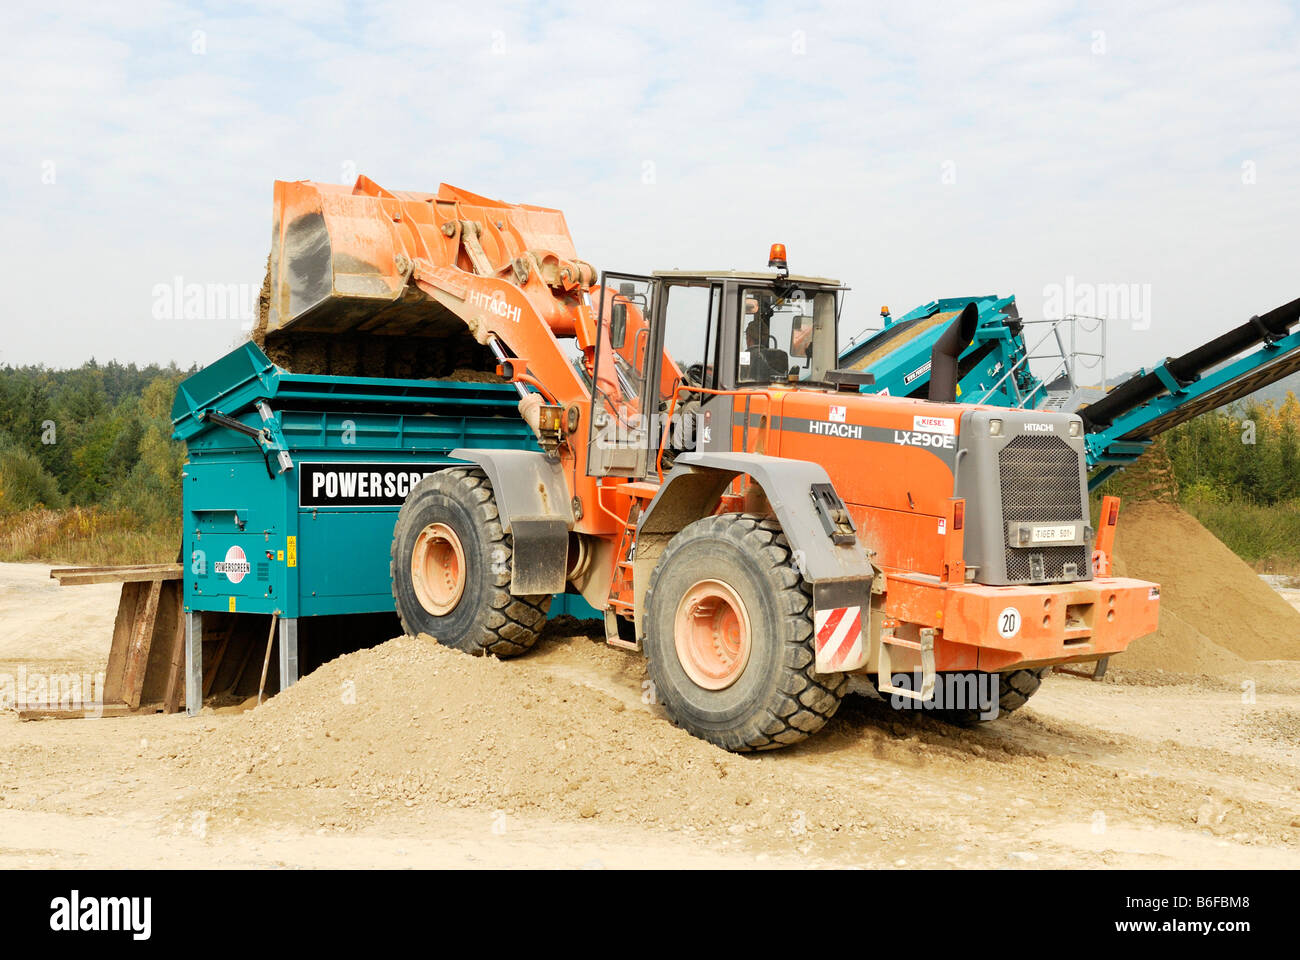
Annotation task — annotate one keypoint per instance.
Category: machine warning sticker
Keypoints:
(944, 425)
(235, 566)
(1008, 622)
(1153, 593)
(292, 544)
(352, 484)
(838, 414)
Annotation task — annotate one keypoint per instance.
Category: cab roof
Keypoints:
(768, 275)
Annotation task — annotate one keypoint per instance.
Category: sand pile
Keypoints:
(1150, 478)
(1215, 612)
(411, 724)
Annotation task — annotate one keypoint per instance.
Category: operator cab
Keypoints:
(677, 352)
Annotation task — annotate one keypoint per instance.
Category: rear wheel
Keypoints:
(450, 568)
(728, 637)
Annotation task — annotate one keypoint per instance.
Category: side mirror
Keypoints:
(801, 336)
(618, 315)
(618, 325)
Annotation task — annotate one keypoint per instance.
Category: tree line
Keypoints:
(1248, 452)
(95, 436)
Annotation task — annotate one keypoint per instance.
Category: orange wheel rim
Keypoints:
(712, 634)
(438, 569)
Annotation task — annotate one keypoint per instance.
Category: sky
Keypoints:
(1062, 152)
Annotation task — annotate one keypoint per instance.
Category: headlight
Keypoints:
(1076, 428)
(995, 428)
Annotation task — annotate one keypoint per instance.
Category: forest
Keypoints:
(88, 470)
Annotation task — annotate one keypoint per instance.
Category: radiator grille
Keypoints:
(1042, 483)
(1040, 480)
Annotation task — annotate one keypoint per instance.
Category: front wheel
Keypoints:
(451, 563)
(728, 637)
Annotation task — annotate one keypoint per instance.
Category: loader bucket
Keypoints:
(340, 297)
(334, 263)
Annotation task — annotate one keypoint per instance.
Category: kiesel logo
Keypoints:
(235, 566)
(935, 424)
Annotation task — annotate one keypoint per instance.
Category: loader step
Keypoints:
(924, 646)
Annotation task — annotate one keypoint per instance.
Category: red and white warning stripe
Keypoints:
(839, 639)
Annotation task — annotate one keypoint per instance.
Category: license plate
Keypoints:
(1052, 534)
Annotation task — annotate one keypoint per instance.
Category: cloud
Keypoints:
(913, 150)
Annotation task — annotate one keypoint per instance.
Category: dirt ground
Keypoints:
(412, 755)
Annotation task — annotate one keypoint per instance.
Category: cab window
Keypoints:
(787, 335)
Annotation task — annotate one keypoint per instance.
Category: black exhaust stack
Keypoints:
(947, 350)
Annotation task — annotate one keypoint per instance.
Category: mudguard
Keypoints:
(839, 573)
(533, 503)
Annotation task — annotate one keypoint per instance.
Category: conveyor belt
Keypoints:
(1234, 390)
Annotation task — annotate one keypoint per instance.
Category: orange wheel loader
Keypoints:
(744, 516)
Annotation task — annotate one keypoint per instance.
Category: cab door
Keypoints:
(624, 399)
(685, 364)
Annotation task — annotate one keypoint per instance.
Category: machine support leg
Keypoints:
(288, 653)
(193, 663)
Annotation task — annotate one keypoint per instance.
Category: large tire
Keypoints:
(723, 572)
(472, 608)
(1015, 687)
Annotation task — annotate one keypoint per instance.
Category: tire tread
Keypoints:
(805, 699)
(514, 623)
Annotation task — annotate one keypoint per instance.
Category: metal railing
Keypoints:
(1067, 360)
